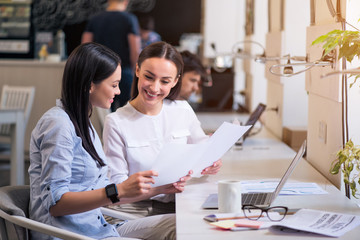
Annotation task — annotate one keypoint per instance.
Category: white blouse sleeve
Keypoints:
(115, 150)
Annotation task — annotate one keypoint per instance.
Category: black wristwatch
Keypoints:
(112, 193)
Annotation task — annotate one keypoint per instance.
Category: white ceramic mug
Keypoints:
(229, 196)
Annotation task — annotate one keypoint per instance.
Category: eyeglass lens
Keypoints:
(273, 213)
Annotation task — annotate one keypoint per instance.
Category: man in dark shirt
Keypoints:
(119, 31)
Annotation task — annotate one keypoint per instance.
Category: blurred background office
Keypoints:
(228, 36)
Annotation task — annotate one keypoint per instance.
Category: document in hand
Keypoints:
(319, 222)
(176, 160)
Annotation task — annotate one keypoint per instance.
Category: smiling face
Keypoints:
(190, 84)
(157, 76)
(103, 93)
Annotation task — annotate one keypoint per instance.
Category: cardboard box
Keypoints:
(294, 136)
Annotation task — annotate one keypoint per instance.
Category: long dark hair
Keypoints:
(88, 63)
(160, 50)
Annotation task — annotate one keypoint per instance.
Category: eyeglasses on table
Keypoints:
(275, 214)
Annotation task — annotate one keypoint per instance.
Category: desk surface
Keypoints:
(263, 156)
(211, 121)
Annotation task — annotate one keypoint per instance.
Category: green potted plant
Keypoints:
(348, 158)
(348, 43)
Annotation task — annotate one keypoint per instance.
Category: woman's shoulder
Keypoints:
(56, 116)
(122, 114)
(178, 104)
(55, 120)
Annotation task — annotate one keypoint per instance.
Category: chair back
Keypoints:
(14, 200)
(16, 97)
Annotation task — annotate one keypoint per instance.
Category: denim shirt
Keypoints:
(60, 164)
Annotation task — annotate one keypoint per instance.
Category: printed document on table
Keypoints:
(319, 222)
(290, 188)
(176, 160)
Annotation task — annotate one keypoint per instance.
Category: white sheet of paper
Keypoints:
(290, 188)
(176, 160)
(320, 222)
(219, 143)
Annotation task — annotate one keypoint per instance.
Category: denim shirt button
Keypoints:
(105, 225)
(48, 188)
(100, 176)
(98, 217)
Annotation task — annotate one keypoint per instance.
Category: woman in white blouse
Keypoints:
(134, 135)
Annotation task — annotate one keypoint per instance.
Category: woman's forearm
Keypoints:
(77, 202)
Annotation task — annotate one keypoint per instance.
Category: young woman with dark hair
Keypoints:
(68, 168)
(164, 52)
(134, 135)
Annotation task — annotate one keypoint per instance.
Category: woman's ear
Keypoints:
(176, 81)
(91, 87)
(137, 71)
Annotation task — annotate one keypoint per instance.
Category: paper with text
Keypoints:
(319, 222)
(176, 160)
(290, 188)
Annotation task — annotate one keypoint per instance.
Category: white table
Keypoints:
(16, 119)
(211, 121)
(263, 156)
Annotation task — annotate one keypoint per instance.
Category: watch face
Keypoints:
(111, 190)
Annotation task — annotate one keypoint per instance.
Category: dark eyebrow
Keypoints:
(149, 72)
(154, 75)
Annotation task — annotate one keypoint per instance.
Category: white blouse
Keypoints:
(133, 140)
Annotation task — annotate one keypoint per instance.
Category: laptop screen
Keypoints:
(254, 117)
(293, 164)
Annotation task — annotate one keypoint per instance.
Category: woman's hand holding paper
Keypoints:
(176, 187)
(213, 169)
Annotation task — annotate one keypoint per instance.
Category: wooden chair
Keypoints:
(16, 97)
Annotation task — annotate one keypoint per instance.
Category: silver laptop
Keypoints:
(261, 199)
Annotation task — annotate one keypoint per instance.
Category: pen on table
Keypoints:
(214, 218)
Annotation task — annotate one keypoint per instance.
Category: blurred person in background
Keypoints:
(118, 30)
(193, 75)
(147, 33)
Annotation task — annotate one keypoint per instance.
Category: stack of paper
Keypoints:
(176, 160)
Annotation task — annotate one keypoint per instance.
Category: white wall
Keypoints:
(259, 83)
(223, 25)
(352, 16)
(288, 94)
(297, 19)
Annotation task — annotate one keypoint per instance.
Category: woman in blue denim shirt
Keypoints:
(68, 169)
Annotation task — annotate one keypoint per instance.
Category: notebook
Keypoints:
(261, 199)
(254, 117)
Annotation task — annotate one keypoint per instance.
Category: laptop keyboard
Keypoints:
(254, 198)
